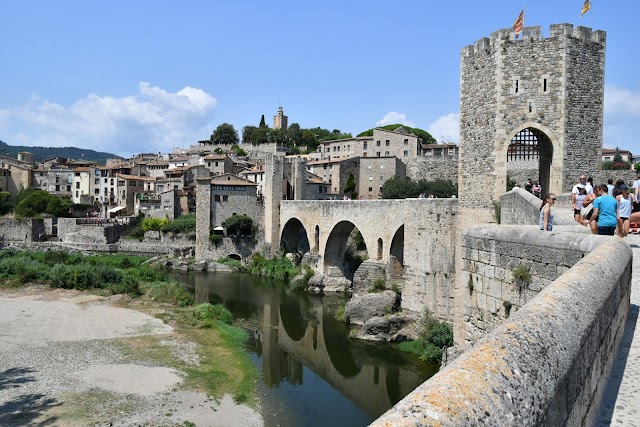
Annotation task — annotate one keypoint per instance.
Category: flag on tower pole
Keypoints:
(518, 26)
(585, 7)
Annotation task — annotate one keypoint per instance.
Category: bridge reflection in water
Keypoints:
(313, 373)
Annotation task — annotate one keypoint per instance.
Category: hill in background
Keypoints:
(43, 153)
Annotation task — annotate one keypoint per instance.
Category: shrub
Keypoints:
(55, 257)
(136, 232)
(231, 263)
(181, 225)
(521, 276)
(378, 285)
(279, 268)
(216, 239)
(209, 311)
(154, 224)
(127, 285)
(168, 292)
(435, 336)
(23, 268)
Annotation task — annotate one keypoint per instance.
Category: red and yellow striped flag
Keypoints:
(585, 7)
(519, 24)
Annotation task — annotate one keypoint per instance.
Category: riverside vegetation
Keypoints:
(223, 366)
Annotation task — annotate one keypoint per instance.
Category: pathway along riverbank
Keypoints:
(69, 358)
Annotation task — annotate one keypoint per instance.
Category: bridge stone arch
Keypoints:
(295, 237)
(336, 247)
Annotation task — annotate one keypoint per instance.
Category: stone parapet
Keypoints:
(548, 363)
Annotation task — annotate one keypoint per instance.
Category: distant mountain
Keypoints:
(43, 153)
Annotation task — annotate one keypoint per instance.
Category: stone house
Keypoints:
(218, 164)
(233, 195)
(336, 172)
(375, 171)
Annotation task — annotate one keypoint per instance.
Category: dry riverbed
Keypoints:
(69, 358)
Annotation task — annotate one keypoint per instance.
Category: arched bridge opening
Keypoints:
(294, 237)
(345, 248)
(396, 251)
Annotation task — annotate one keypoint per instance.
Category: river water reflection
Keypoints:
(313, 374)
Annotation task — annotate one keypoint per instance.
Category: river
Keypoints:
(312, 373)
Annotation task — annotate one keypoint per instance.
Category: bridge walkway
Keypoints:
(621, 401)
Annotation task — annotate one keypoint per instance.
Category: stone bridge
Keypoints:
(417, 233)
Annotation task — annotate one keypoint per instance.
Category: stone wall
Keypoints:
(494, 259)
(21, 230)
(431, 168)
(228, 246)
(519, 207)
(71, 232)
(548, 363)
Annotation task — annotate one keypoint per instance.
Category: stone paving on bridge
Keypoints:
(621, 401)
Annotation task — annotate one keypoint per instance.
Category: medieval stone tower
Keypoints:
(534, 97)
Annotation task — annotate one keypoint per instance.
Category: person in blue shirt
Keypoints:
(605, 209)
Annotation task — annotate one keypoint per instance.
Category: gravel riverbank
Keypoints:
(62, 363)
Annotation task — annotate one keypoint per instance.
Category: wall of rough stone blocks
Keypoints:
(519, 207)
(432, 168)
(491, 260)
(548, 363)
(70, 231)
(21, 230)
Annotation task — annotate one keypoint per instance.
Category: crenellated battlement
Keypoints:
(534, 33)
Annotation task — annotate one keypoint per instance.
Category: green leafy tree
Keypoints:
(295, 133)
(262, 124)
(308, 138)
(260, 135)
(247, 133)
(33, 205)
(239, 225)
(350, 187)
(59, 207)
(6, 203)
(225, 133)
(401, 188)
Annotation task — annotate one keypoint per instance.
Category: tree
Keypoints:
(6, 204)
(350, 187)
(34, 204)
(295, 133)
(225, 133)
(239, 225)
(401, 188)
(309, 139)
(247, 133)
(262, 124)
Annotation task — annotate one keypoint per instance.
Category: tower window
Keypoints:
(544, 85)
(530, 106)
(517, 87)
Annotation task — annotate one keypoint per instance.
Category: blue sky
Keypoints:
(134, 76)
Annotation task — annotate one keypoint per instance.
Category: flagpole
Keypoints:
(590, 15)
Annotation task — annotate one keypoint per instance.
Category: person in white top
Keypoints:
(624, 210)
(575, 191)
(589, 185)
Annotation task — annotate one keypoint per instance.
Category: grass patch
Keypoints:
(167, 292)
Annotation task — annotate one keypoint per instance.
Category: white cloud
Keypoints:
(151, 119)
(392, 118)
(446, 128)
(621, 102)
